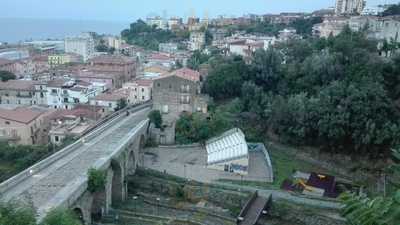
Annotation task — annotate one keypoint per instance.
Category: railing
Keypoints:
(246, 207)
(88, 135)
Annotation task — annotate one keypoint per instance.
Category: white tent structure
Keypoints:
(228, 152)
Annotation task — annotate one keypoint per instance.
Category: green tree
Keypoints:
(61, 217)
(148, 37)
(226, 78)
(96, 180)
(121, 104)
(156, 118)
(392, 10)
(197, 59)
(14, 214)
(5, 76)
(361, 210)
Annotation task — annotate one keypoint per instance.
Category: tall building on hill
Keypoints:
(82, 45)
(349, 6)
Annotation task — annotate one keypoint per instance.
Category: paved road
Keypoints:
(46, 188)
(283, 195)
(189, 163)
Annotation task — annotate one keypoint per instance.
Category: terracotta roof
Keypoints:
(85, 112)
(184, 73)
(144, 82)
(110, 97)
(156, 69)
(113, 59)
(21, 115)
(159, 56)
(187, 73)
(5, 62)
(26, 85)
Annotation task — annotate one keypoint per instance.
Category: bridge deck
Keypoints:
(254, 212)
(42, 189)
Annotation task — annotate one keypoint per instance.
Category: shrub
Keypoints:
(96, 180)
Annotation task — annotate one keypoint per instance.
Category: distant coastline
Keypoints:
(13, 30)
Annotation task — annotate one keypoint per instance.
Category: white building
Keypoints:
(139, 90)
(82, 45)
(109, 101)
(157, 21)
(114, 42)
(349, 6)
(66, 93)
(228, 152)
(168, 47)
(174, 23)
(197, 40)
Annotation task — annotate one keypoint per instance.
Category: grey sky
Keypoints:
(127, 10)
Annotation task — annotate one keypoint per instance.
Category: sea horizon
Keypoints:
(14, 30)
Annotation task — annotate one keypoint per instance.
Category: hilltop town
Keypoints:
(289, 118)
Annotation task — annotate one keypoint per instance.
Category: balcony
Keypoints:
(11, 137)
(24, 96)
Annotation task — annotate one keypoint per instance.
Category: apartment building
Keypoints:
(24, 125)
(82, 45)
(23, 92)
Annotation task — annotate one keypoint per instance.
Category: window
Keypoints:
(66, 100)
(7, 122)
(19, 102)
(110, 105)
(56, 138)
(41, 95)
(142, 97)
(54, 91)
(158, 84)
(142, 89)
(135, 96)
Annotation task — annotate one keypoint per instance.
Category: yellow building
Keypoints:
(56, 60)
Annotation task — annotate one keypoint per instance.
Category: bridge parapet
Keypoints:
(39, 166)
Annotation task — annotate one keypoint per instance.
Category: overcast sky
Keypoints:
(127, 10)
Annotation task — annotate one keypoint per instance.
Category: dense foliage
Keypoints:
(197, 128)
(96, 180)
(16, 158)
(5, 76)
(304, 26)
(335, 93)
(61, 217)
(392, 10)
(360, 210)
(102, 47)
(16, 215)
(259, 27)
(148, 37)
(155, 118)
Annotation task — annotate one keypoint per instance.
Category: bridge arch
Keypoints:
(78, 212)
(118, 185)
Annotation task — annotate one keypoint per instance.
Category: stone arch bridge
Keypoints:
(61, 179)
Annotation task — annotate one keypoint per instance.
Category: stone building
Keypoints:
(24, 125)
(139, 90)
(23, 92)
(178, 92)
(123, 65)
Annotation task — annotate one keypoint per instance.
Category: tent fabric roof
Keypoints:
(229, 146)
